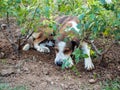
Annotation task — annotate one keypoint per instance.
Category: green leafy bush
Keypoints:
(98, 18)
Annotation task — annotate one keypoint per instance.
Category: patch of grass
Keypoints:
(111, 85)
(3, 61)
(19, 88)
(5, 86)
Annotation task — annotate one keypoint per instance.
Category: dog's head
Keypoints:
(63, 47)
(63, 50)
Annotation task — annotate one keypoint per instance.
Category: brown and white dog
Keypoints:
(63, 48)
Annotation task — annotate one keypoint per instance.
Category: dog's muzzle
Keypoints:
(59, 63)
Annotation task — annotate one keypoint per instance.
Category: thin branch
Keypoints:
(29, 27)
(10, 37)
(7, 18)
(32, 18)
(101, 55)
(26, 39)
(14, 46)
(95, 48)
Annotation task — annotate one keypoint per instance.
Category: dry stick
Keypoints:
(27, 37)
(9, 37)
(12, 35)
(95, 48)
(104, 52)
(7, 18)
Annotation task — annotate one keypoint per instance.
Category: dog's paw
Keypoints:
(43, 49)
(26, 47)
(50, 43)
(88, 64)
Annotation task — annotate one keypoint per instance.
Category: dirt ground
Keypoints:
(37, 71)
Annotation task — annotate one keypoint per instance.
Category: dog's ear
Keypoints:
(74, 45)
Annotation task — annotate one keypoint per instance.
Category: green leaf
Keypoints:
(102, 1)
(23, 31)
(92, 16)
(77, 60)
(54, 26)
(79, 25)
(87, 24)
(81, 16)
(47, 11)
(95, 29)
(76, 51)
(66, 63)
(38, 10)
(85, 56)
(117, 34)
(18, 1)
(118, 15)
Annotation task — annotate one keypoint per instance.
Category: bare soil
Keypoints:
(37, 71)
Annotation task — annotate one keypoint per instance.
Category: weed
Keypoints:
(111, 85)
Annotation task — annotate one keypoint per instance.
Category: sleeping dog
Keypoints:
(63, 48)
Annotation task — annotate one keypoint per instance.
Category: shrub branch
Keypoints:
(105, 51)
(29, 27)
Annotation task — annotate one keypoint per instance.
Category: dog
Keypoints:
(63, 49)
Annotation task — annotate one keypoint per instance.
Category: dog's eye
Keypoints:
(66, 51)
(56, 50)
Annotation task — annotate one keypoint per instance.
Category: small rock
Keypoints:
(92, 81)
(44, 84)
(2, 55)
(118, 68)
(26, 47)
(46, 72)
(4, 26)
(7, 72)
(40, 62)
(25, 68)
(13, 57)
(62, 85)
(109, 76)
(33, 84)
(19, 64)
(51, 83)
(97, 87)
(18, 71)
